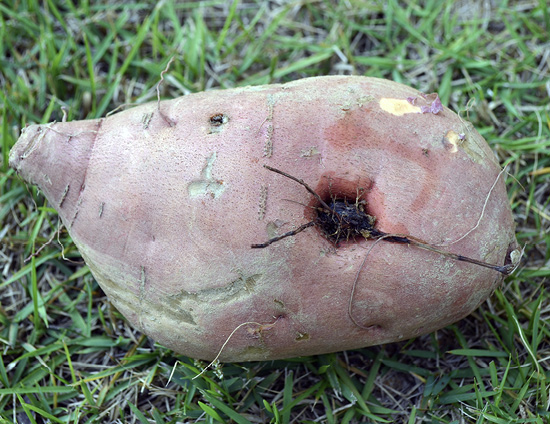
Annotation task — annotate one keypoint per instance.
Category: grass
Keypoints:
(68, 356)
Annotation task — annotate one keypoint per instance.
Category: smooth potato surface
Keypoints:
(164, 206)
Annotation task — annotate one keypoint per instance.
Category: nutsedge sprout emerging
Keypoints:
(340, 220)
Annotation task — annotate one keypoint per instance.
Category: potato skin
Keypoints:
(164, 205)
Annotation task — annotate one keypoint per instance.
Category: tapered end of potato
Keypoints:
(24, 146)
(55, 157)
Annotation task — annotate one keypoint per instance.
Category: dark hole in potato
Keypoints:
(346, 220)
(218, 119)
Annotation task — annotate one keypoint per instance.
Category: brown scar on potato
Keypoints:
(142, 296)
(239, 287)
(64, 194)
(146, 119)
(83, 184)
(279, 303)
(311, 151)
(268, 144)
(301, 337)
(262, 202)
(77, 207)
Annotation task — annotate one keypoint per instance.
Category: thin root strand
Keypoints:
(166, 119)
(261, 327)
(290, 233)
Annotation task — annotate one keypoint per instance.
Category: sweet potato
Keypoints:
(164, 201)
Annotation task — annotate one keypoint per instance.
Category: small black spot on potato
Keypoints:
(218, 119)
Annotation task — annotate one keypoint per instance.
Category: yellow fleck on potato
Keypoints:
(398, 107)
(454, 140)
